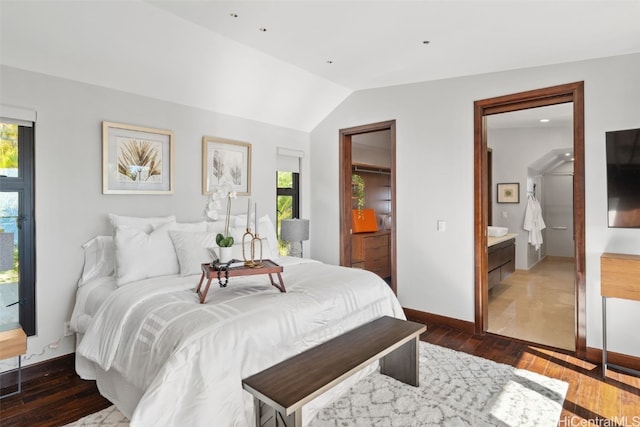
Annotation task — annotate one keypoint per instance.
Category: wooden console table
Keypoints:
(619, 278)
(13, 343)
(268, 267)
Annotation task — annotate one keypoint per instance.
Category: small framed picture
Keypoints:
(509, 192)
(136, 160)
(226, 161)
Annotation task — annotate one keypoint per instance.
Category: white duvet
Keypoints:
(189, 358)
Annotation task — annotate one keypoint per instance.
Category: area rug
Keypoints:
(456, 389)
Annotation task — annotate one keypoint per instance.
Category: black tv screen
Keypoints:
(623, 178)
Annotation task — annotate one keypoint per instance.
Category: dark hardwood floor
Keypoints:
(61, 397)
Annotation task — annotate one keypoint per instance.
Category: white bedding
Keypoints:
(188, 359)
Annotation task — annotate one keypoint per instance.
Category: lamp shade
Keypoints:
(294, 230)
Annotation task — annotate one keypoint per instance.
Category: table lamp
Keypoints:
(294, 231)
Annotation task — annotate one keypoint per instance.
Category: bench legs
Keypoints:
(402, 363)
(266, 416)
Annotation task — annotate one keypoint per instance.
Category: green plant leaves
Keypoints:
(224, 242)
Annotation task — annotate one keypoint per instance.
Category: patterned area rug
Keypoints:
(456, 389)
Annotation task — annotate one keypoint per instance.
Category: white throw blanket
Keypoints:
(533, 222)
(190, 358)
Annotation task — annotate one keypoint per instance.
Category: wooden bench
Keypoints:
(281, 390)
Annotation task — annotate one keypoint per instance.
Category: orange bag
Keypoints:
(364, 221)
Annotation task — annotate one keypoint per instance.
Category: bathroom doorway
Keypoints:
(568, 93)
(536, 302)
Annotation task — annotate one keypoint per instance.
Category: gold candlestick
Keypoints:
(255, 248)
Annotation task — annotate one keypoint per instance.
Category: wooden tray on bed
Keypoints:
(212, 271)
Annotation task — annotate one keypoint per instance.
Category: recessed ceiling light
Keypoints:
(329, 61)
(233, 15)
(426, 42)
(263, 30)
(567, 154)
(544, 120)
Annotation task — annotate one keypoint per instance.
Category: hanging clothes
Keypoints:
(533, 222)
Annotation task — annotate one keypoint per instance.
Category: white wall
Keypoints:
(434, 122)
(70, 206)
(514, 150)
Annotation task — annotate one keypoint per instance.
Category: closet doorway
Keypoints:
(367, 155)
(569, 93)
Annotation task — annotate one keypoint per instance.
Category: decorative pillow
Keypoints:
(180, 226)
(140, 255)
(192, 250)
(139, 223)
(216, 227)
(99, 258)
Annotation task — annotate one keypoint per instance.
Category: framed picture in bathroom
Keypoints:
(508, 192)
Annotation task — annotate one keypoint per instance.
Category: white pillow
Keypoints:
(193, 249)
(99, 258)
(217, 226)
(140, 255)
(139, 223)
(180, 226)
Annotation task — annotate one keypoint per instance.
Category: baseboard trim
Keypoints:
(594, 355)
(436, 319)
(38, 370)
(67, 362)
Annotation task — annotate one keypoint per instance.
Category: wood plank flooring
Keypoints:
(62, 397)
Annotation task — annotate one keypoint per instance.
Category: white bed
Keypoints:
(165, 360)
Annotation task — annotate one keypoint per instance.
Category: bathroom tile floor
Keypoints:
(536, 305)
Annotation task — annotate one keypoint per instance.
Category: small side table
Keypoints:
(13, 343)
(268, 267)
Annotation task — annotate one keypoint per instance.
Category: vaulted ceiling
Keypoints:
(290, 63)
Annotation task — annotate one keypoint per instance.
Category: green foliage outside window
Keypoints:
(9, 160)
(8, 146)
(285, 207)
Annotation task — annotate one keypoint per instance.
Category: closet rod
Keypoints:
(380, 171)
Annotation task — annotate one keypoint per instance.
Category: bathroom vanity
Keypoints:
(502, 257)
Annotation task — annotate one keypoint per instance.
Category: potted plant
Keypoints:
(226, 240)
(357, 191)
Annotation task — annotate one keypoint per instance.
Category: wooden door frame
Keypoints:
(345, 191)
(571, 92)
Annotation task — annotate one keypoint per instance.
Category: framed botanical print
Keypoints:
(225, 161)
(509, 192)
(136, 159)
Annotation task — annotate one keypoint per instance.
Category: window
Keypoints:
(288, 201)
(17, 228)
(288, 190)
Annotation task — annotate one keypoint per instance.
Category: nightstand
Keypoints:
(13, 343)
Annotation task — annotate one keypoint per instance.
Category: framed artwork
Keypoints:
(136, 160)
(226, 161)
(509, 192)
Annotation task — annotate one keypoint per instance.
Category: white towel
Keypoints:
(533, 222)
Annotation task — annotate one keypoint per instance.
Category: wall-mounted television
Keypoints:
(623, 178)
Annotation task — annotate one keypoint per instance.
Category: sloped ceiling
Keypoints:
(309, 56)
